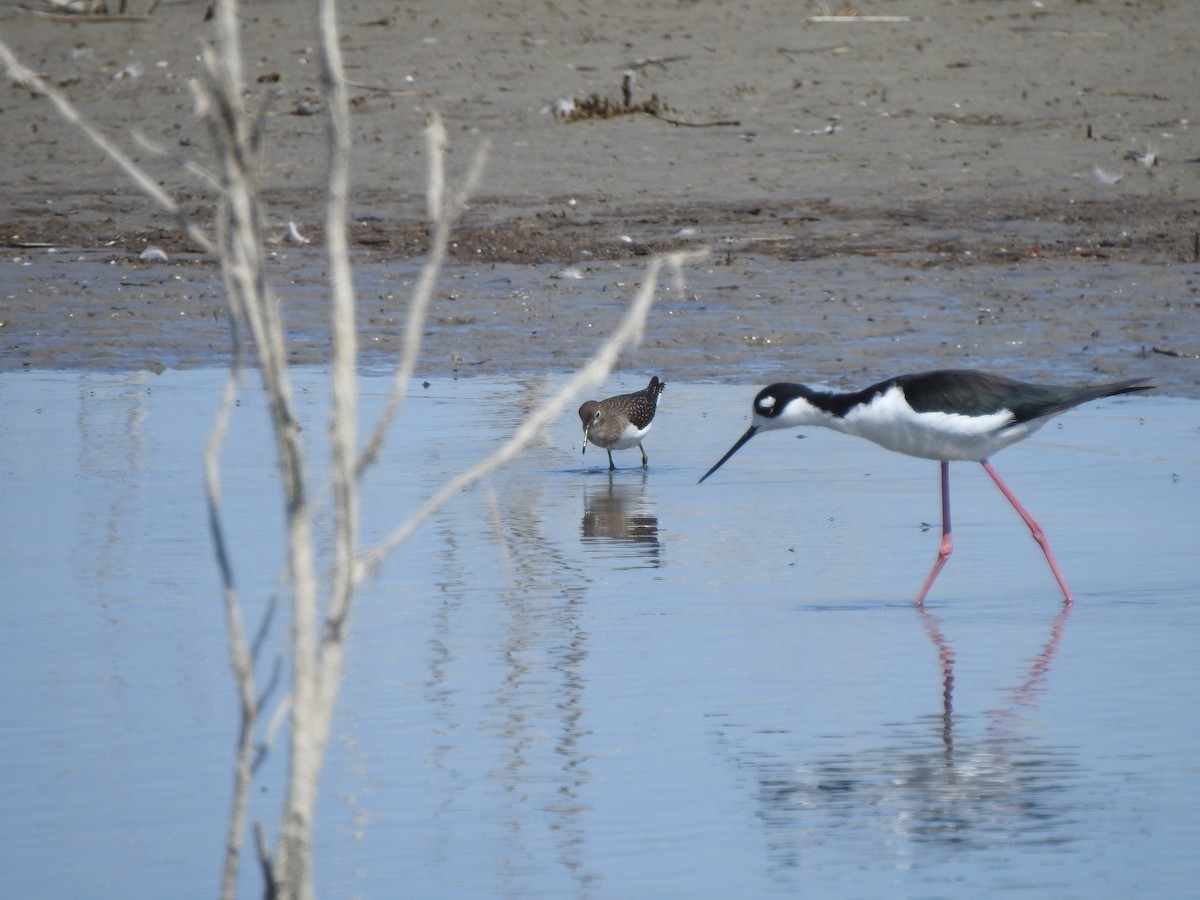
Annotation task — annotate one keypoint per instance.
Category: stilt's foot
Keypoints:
(947, 546)
(1034, 529)
(943, 554)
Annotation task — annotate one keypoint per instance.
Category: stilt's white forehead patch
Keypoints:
(767, 402)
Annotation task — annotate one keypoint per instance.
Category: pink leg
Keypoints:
(1034, 528)
(947, 541)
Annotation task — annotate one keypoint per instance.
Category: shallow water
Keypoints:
(571, 683)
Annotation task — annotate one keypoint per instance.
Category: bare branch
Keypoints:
(241, 656)
(444, 213)
(272, 731)
(242, 249)
(239, 652)
(264, 860)
(26, 77)
(188, 165)
(344, 421)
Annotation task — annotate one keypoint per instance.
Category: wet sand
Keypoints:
(968, 186)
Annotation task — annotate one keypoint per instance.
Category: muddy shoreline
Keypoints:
(981, 184)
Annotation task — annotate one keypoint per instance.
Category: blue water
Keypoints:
(571, 684)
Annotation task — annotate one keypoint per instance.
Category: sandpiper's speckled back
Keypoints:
(621, 422)
(637, 408)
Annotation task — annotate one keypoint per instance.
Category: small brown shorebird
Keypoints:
(952, 414)
(619, 423)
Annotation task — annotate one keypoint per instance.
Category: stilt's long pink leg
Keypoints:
(947, 541)
(1034, 528)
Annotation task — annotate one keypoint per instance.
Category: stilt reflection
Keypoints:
(1023, 694)
(935, 781)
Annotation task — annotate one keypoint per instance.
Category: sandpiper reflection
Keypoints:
(619, 515)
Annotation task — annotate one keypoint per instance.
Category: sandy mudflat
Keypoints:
(967, 186)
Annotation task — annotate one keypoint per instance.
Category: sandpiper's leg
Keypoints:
(644, 460)
(1034, 528)
(947, 541)
(611, 465)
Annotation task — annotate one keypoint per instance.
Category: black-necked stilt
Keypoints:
(619, 423)
(952, 414)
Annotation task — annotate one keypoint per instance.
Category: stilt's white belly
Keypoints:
(890, 422)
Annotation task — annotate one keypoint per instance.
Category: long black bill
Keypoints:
(750, 432)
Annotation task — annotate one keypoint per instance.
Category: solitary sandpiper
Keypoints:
(621, 422)
(952, 414)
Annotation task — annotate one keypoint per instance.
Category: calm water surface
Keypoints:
(576, 684)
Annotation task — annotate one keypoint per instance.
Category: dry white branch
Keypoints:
(317, 663)
(444, 213)
(190, 166)
(241, 245)
(27, 78)
(240, 653)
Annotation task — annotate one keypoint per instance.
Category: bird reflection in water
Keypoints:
(1023, 694)
(934, 781)
(618, 515)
